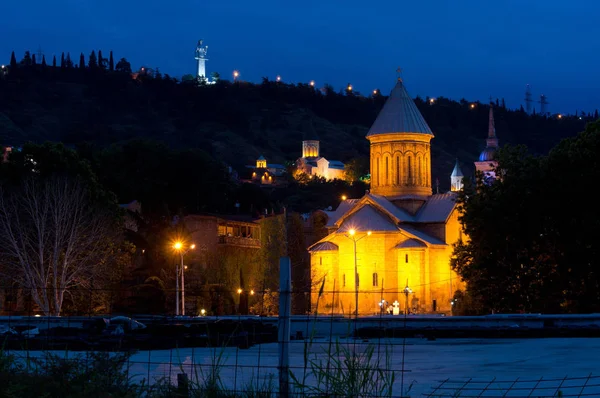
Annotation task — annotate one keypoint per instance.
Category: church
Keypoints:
(312, 164)
(392, 247)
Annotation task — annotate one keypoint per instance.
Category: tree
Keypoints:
(33, 61)
(356, 168)
(43, 61)
(54, 61)
(101, 60)
(215, 76)
(92, 60)
(68, 62)
(123, 66)
(13, 60)
(81, 61)
(111, 62)
(53, 236)
(26, 59)
(62, 60)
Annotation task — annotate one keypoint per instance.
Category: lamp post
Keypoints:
(406, 291)
(352, 237)
(181, 268)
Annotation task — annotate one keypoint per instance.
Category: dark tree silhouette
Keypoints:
(123, 66)
(13, 60)
(92, 60)
(68, 62)
(81, 61)
(26, 59)
(33, 62)
(111, 62)
(101, 60)
(43, 61)
(54, 61)
(62, 60)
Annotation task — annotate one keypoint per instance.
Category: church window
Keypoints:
(406, 258)
(377, 174)
(375, 279)
(409, 171)
(419, 172)
(397, 170)
(387, 170)
(344, 280)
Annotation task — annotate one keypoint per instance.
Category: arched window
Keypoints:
(377, 173)
(387, 171)
(397, 170)
(419, 171)
(409, 171)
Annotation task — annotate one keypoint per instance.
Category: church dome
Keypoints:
(487, 154)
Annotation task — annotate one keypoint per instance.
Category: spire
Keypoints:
(456, 178)
(399, 115)
(492, 140)
(457, 172)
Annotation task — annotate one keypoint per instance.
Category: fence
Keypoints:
(303, 355)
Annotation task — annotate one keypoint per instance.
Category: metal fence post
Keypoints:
(285, 305)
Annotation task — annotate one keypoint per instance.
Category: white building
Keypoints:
(314, 165)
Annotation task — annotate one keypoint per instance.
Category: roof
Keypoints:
(323, 247)
(399, 115)
(395, 211)
(437, 208)
(367, 219)
(261, 157)
(457, 172)
(422, 236)
(342, 209)
(275, 166)
(409, 243)
(487, 154)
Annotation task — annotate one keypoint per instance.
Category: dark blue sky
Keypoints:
(452, 48)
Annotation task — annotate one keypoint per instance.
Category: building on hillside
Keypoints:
(312, 164)
(487, 159)
(456, 178)
(132, 211)
(399, 236)
(266, 173)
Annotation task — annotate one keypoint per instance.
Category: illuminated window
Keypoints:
(406, 258)
(344, 280)
(397, 170)
(409, 171)
(375, 279)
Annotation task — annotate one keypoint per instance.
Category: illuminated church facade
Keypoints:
(398, 237)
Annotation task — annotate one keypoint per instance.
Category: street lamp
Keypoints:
(235, 75)
(178, 246)
(352, 237)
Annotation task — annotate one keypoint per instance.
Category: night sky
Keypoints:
(454, 48)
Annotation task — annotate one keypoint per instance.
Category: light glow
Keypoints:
(202, 312)
(352, 232)
(312, 83)
(177, 245)
(193, 246)
(369, 233)
(239, 291)
(278, 78)
(472, 106)
(344, 197)
(252, 292)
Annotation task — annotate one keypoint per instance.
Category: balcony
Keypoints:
(239, 241)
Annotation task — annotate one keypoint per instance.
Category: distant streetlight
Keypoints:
(431, 101)
(344, 197)
(236, 74)
(472, 106)
(312, 83)
(375, 92)
(559, 116)
(179, 247)
(349, 87)
(239, 291)
(352, 237)
(278, 78)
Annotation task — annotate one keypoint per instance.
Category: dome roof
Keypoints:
(399, 115)
(487, 154)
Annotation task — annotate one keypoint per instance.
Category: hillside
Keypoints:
(237, 122)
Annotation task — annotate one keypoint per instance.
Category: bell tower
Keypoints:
(400, 149)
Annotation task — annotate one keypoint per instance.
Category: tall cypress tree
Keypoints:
(92, 60)
(101, 61)
(33, 60)
(111, 62)
(68, 62)
(43, 61)
(81, 61)
(54, 61)
(62, 60)
(13, 60)
(26, 59)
